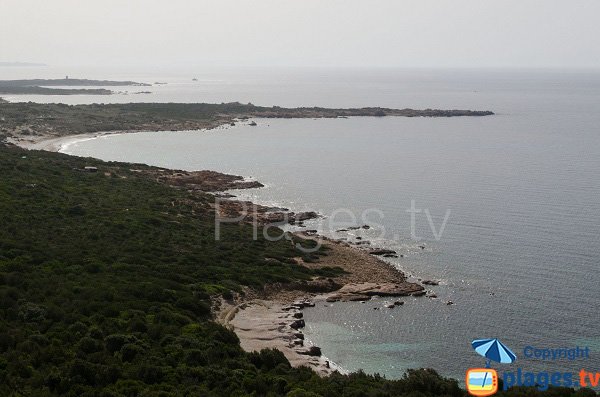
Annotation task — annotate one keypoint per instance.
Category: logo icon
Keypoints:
(482, 382)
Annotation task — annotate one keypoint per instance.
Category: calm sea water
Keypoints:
(520, 252)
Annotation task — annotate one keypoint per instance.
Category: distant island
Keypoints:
(39, 86)
(21, 64)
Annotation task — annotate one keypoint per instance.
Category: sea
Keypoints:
(503, 211)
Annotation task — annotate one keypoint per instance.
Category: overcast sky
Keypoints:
(385, 33)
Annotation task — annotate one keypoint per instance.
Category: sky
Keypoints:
(303, 33)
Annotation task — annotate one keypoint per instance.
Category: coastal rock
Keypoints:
(289, 217)
(311, 351)
(297, 324)
(298, 315)
(208, 181)
(364, 291)
(304, 216)
(380, 252)
(302, 304)
(430, 282)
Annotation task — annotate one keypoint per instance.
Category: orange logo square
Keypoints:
(482, 382)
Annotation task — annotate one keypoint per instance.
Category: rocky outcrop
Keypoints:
(207, 181)
(365, 291)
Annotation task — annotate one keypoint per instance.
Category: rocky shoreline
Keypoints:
(272, 317)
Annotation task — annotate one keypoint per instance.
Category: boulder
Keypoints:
(297, 324)
(311, 351)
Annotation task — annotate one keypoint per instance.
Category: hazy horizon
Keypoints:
(267, 33)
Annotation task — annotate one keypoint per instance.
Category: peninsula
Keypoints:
(40, 86)
(36, 121)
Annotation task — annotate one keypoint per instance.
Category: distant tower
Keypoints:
(66, 77)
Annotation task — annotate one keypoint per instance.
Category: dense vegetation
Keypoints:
(105, 287)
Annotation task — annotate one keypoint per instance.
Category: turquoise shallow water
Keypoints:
(520, 252)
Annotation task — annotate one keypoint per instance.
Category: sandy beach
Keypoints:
(272, 318)
(56, 144)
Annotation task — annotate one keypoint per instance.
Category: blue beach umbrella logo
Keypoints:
(493, 350)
